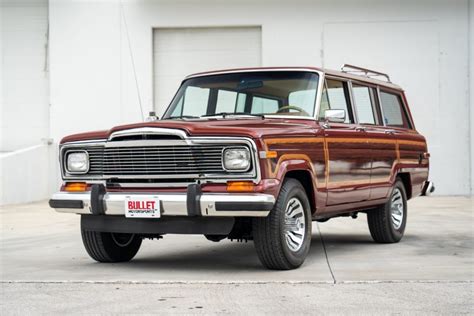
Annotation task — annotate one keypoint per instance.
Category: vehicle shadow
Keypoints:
(234, 256)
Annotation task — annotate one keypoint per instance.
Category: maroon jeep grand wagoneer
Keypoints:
(250, 154)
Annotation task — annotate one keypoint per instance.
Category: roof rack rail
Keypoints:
(367, 72)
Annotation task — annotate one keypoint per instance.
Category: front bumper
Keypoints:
(192, 203)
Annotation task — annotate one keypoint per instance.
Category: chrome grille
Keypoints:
(156, 160)
(96, 160)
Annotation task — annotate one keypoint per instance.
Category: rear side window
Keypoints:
(392, 110)
(363, 104)
(334, 97)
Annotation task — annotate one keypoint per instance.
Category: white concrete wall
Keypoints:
(93, 85)
(28, 174)
(28, 167)
(24, 100)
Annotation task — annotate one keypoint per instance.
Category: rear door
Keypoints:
(349, 158)
(382, 141)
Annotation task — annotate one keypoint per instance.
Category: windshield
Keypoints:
(248, 93)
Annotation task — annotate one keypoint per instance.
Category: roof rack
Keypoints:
(367, 72)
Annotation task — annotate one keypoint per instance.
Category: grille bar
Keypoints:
(156, 160)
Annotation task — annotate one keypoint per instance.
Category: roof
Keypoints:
(336, 73)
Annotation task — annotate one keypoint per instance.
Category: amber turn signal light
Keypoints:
(240, 186)
(75, 187)
(272, 154)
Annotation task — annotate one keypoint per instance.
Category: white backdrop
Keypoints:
(424, 45)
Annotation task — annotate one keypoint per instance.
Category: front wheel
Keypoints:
(110, 247)
(387, 223)
(282, 239)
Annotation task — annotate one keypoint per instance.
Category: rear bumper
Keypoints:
(192, 203)
(428, 188)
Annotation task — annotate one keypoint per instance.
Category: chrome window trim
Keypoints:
(263, 69)
(320, 73)
(322, 80)
(253, 174)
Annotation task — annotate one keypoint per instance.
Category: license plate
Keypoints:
(142, 207)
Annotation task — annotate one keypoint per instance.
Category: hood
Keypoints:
(253, 128)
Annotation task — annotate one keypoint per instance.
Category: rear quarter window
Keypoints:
(393, 111)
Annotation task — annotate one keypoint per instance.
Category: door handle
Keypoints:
(360, 128)
(390, 131)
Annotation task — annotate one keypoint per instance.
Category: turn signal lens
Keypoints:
(271, 154)
(75, 187)
(240, 186)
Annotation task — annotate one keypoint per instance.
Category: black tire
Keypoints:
(383, 224)
(110, 247)
(269, 234)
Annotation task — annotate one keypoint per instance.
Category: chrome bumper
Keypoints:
(428, 188)
(210, 204)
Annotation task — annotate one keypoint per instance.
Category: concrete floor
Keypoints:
(44, 268)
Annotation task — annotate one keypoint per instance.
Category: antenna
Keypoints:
(133, 60)
(367, 72)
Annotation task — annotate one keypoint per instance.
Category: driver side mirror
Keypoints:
(335, 116)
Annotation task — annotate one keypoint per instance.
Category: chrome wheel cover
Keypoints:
(122, 240)
(295, 224)
(397, 208)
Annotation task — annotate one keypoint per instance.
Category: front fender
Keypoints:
(300, 167)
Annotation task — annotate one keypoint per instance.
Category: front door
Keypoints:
(349, 152)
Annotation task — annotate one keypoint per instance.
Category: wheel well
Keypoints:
(405, 177)
(304, 177)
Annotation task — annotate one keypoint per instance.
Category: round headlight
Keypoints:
(77, 162)
(236, 159)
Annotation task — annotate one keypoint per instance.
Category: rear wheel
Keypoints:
(387, 223)
(110, 247)
(282, 239)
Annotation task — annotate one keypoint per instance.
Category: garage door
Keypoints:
(178, 52)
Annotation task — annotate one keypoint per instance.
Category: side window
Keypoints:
(193, 102)
(393, 111)
(334, 97)
(263, 105)
(363, 104)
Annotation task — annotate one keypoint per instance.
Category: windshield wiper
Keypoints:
(181, 117)
(224, 114)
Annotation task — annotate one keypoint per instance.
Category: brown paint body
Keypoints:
(349, 169)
